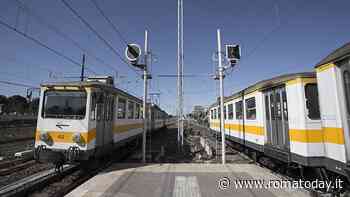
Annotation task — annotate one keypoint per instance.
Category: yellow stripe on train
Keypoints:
(251, 129)
(88, 136)
(326, 135)
(67, 136)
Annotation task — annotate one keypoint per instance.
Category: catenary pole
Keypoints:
(221, 78)
(178, 73)
(145, 77)
(82, 69)
(182, 68)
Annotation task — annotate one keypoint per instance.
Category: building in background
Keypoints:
(199, 113)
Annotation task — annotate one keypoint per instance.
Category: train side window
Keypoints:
(111, 108)
(215, 114)
(239, 110)
(137, 111)
(311, 99)
(230, 111)
(219, 113)
(225, 111)
(121, 108)
(93, 107)
(285, 105)
(108, 109)
(267, 110)
(250, 108)
(130, 110)
(212, 114)
(346, 76)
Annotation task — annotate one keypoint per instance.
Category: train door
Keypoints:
(100, 120)
(108, 119)
(152, 119)
(345, 70)
(276, 113)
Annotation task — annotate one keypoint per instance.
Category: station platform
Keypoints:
(183, 180)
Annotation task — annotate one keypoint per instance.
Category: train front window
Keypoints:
(64, 104)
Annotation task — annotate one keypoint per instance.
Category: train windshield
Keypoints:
(64, 104)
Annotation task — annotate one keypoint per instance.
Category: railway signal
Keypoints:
(233, 53)
(133, 53)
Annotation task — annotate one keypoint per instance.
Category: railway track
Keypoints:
(35, 181)
(17, 140)
(13, 168)
(51, 183)
(7, 163)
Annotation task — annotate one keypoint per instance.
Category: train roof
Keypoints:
(96, 84)
(268, 83)
(90, 84)
(336, 55)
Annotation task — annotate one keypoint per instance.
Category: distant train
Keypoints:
(79, 121)
(300, 119)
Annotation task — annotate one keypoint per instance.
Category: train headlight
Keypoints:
(44, 137)
(78, 138)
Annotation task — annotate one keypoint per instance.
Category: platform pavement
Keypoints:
(179, 180)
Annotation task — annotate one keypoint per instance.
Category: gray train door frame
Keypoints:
(345, 93)
(108, 118)
(276, 116)
(100, 122)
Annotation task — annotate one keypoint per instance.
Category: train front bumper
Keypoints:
(71, 155)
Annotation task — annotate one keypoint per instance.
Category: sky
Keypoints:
(276, 37)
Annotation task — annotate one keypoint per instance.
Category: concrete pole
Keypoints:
(145, 76)
(222, 121)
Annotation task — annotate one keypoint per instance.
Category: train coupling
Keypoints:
(72, 154)
(45, 155)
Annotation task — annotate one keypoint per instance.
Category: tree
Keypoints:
(34, 106)
(17, 104)
(4, 103)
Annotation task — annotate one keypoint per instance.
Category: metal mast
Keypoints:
(145, 78)
(180, 71)
(222, 120)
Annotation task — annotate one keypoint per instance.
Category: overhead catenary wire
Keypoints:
(273, 30)
(122, 38)
(38, 42)
(18, 84)
(75, 12)
(51, 27)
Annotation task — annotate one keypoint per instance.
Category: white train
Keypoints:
(300, 118)
(78, 121)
